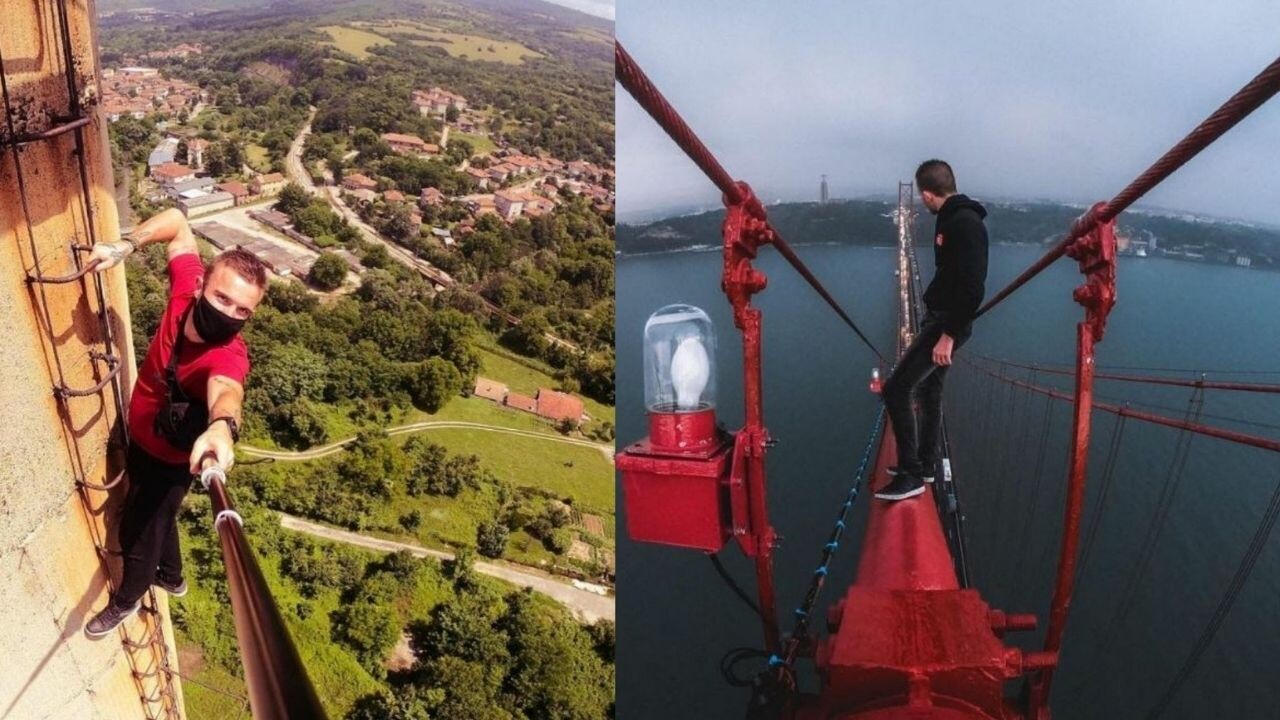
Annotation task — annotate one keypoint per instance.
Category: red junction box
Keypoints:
(678, 498)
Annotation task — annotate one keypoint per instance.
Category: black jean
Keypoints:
(149, 525)
(917, 377)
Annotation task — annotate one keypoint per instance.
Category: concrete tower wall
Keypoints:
(52, 578)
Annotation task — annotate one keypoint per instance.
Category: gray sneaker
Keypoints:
(109, 619)
(177, 589)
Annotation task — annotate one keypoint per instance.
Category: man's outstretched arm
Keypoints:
(225, 396)
(169, 227)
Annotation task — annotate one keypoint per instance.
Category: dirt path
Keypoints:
(326, 450)
(586, 605)
(293, 161)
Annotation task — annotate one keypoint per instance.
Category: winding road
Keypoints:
(297, 172)
(326, 450)
(586, 605)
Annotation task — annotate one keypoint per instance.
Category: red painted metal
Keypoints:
(904, 547)
(906, 641)
(680, 431)
(914, 654)
(677, 498)
(1095, 251)
(719, 494)
(744, 230)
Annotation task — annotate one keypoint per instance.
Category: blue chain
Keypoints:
(803, 612)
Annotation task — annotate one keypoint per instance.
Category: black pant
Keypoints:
(149, 526)
(917, 376)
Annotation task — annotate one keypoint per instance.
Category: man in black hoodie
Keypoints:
(960, 269)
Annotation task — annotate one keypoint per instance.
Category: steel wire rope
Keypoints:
(1201, 382)
(1021, 548)
(1155, 526)
(1256, 545)
(638, 85)
(1128, 403)
(1104, 489)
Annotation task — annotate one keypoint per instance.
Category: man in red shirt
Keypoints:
(185, 404)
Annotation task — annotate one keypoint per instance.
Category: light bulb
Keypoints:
(690, 370)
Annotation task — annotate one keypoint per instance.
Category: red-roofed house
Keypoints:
(356, 181)
(269, 184)
(236, 190)
(437, 100)
(430, 197)
(393, 196)
(482, 205)
(509, 204)
(171, 172)
(556, 405)
(402, 143)
(521, 402)
(538, 206)
(490, 389)
(480, 176)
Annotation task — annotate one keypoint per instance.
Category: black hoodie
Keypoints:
(960, 262)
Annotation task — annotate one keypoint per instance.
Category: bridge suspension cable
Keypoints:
(1260, 89)
(1257, 441)
(633, 79)
(1161, 380)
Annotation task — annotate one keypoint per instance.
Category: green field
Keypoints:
(257, 157)
(472, 47)
(480, 144)
(521, 374)
(354, 41)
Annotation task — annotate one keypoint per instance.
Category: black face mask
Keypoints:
(213, 325)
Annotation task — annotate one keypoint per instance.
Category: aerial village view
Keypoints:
(428, 429)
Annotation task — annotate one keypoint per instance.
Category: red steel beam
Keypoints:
(904, 547)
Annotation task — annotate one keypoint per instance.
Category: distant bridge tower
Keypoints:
(823, 197)
(903, 217)
(68, 366)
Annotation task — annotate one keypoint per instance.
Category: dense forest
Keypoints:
(476, 648)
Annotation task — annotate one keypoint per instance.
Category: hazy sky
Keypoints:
(1065, 101)
(599, 8)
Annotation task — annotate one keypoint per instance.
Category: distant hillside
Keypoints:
(867, 222)
(523, 11)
